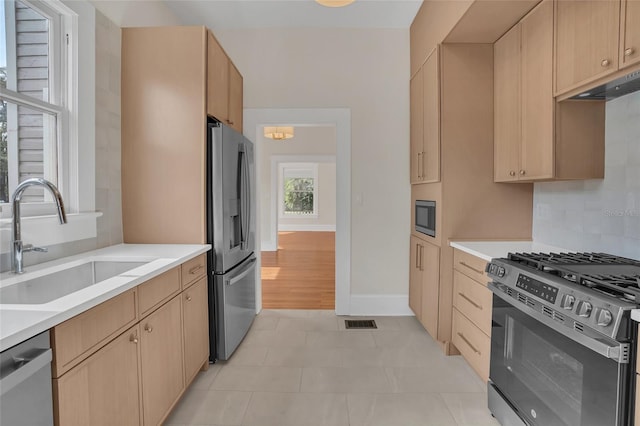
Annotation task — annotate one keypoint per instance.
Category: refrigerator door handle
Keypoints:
(247, 270)
(248, 204)
(245, 195)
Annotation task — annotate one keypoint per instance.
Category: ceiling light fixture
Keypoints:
(335, 3)
(278, 133)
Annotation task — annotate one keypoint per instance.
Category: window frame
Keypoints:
(307, 170)
(61, 90)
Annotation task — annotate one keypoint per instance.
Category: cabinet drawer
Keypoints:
(194, 269)
(470, 265)
(80, 336)
(473, 300)
(157, 290)
(472, 343)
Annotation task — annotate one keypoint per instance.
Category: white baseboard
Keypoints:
(325, 228)
(380, 305)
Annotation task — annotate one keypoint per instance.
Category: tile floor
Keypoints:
(302, 368)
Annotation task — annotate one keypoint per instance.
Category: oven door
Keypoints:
(550, 379)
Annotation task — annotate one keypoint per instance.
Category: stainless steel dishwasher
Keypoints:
(25, 383)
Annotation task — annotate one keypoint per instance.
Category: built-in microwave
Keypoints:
(426, 217)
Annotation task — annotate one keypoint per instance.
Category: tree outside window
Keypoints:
(298, 195)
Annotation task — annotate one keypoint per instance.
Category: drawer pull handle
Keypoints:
(465, 297)
(468, 343)
(148, 328)
(472, 268)
(195, 269)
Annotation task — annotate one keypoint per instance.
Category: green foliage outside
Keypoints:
(4, 165)
(298, 195)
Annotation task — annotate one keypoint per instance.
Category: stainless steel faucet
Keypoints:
(18, 246)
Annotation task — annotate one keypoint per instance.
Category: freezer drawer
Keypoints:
(235, 306)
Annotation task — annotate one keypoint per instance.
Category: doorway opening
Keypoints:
(255, 119)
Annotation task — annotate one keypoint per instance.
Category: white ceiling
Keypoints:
(295, 13)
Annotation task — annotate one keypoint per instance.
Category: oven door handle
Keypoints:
(608, 348)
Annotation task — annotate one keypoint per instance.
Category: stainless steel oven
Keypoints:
(562, 344)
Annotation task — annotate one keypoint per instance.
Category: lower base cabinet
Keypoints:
(137, 376)
(88, 394)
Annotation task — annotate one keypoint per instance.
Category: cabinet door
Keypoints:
(161, 360)
(415, 277)
(195, 311)
(536, 148)
(431, 127)
(587, 35)
(416, 126)
(430, 288)
(217, 81)
(630, 33)
(507, 103)
(104, 388)
(235, 98)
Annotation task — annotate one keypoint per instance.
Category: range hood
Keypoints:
(613, 89)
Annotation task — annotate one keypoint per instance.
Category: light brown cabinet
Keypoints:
(629, 33)
(103, 390)
(196, 78)
(586, 34)
(161, 361)
(424, 282)
(537, 138)
(195, 327)
(472, 304)
(133, 375)
(425, 121)
(224, 86)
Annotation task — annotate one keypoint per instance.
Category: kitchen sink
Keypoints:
(58, 284)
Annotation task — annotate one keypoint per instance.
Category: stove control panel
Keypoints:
(496, 270)
(537, 288)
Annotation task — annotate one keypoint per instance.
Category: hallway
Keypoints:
(301, 274)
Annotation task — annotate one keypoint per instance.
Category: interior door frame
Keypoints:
(254, 120)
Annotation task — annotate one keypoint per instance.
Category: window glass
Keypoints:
(29, 119)
(298, 195)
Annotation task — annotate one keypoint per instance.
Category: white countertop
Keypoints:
(20, 322)
(488, 250)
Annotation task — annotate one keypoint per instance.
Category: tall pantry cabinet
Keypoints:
(469, 204)
(171, 78)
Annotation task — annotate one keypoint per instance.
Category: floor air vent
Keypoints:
(360, 324)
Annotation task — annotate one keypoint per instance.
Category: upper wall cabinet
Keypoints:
(224, 86)
(586, 36)
(536, 138)
(630, 33)
(425, 122)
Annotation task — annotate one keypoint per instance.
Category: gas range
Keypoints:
(577, 290)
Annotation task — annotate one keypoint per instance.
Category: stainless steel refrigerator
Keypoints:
(231, 231)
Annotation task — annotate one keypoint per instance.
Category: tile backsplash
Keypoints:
(598, 215)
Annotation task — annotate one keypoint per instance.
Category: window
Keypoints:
(33, 96)
(298, 190)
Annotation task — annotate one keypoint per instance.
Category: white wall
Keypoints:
(368, 72)
(598, 215)
(138, 13)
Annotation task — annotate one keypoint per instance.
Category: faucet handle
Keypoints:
(30, 247)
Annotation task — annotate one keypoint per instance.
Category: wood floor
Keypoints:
(301, 274)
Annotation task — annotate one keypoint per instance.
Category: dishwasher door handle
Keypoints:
(25, 368)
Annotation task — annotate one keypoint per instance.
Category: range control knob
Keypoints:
(584, 309)
(567, 302)
(604, 318)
